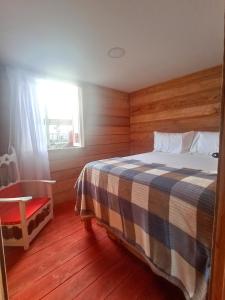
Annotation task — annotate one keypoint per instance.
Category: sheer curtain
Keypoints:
(27, 130)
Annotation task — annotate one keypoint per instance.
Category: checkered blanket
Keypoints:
(166, 213)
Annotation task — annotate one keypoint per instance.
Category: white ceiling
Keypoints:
(163, 39)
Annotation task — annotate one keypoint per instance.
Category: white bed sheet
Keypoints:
(187, 160)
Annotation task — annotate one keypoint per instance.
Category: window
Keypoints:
(63, 110)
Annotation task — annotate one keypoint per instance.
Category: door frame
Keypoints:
(3, 276)
(217, 284)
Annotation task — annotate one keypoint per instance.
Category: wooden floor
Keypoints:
(65, 262)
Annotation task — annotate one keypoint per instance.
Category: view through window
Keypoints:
(63, 111)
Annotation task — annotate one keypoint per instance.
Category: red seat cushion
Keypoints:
(12, 191)
(10, 213)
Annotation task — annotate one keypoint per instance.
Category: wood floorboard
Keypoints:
(51, 281)
(134, 284)
(65, 262)
(104, 285)
(37, 266)
(84, 278)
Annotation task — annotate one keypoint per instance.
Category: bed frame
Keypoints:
(87, 220)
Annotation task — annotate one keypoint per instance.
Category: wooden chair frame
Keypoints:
(45, 213)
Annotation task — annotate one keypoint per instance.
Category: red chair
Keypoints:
(22, 217)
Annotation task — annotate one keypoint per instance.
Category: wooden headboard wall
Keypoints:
(188, 103)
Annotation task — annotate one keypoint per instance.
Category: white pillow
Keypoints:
(205, 142)
(173, 142)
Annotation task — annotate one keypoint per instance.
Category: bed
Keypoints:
(161, 205)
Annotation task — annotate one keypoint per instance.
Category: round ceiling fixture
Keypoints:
(116, 52)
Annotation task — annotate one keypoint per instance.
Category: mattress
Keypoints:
(184, 160)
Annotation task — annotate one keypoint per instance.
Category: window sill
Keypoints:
(65, 148)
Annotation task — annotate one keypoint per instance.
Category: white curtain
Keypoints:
(27, 130)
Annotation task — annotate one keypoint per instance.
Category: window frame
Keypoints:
(63, 146)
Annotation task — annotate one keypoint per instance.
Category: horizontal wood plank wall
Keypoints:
(106, 126)
(188, 103)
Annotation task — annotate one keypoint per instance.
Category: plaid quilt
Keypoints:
(166, 213)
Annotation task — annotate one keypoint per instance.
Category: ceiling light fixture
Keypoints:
(116, 52)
